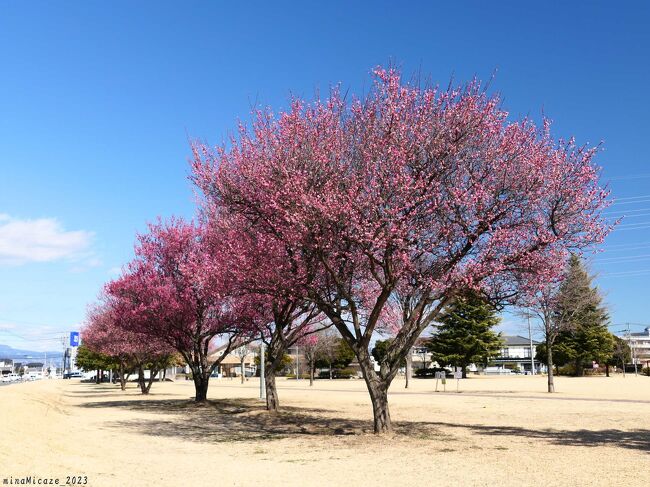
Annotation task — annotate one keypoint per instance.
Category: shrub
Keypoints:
(344, 373)
(646, 371)
(293, 376)
(567, 370)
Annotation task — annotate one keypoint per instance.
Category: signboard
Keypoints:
(458, 373)
(74, 338)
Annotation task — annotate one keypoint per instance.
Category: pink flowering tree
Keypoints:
(310, 347)
(130, 350)
(260, 271)
(175, 291)
(409, 194)
(97, 338)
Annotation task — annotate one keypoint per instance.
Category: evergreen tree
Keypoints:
(586, 338)
(621, 355)
(465, 334)
(380, 350)
(88, 360)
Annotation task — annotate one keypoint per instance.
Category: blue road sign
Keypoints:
(74, 338)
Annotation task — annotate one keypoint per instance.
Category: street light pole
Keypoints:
(530, 337)
(632, 347)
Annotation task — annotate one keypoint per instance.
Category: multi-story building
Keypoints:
(516, 354)
(639, 343)
(420, 355)
(6, 366)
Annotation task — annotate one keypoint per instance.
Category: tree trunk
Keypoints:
(141, 381)
(311, 373)
(378, 390)
(272, 401)
(549, 366)
(152, 376)
(243, 373)
(623, 365)
(381, 414)
(606, 370)
(330, 369)
(97, 376)
(200, 385)
(122, 378)
(580, 370)
(409, 366)
(464, 368)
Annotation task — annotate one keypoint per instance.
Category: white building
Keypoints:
(639, 346)
(516, 354)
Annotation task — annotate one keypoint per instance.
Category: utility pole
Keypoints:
(63, 356)
(530, 337)
(262, 373)
(632, 347)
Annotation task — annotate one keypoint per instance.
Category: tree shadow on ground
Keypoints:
(90, 390)
(232, 420)
(638, 439)
(229, 420)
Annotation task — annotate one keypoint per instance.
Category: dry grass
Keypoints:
(595, 431)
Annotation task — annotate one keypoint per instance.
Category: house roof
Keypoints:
(644, 333)
(516, 340)
(231, 359)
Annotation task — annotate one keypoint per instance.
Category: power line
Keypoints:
(624, 257)
(625, 225)
(644, 225)
(627, 198)
(27, 323)
(640, 272)
(625, 245)
(644, 200)
(616, 217)
(625, 249)
(635, 210)
(30, 339)
(634, 176)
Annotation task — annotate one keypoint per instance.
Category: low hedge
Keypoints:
(344, 373)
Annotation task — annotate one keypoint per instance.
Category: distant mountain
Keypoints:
(14, 353)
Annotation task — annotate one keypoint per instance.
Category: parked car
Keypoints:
(430, 373)
(5, 378)
(72, 375)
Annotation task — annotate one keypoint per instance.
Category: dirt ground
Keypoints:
(496, 431)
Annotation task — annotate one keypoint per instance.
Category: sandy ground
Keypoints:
(496, 431)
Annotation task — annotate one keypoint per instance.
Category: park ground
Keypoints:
(496, 431)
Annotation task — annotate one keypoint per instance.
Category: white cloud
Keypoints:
(114, 271)
(40, 240)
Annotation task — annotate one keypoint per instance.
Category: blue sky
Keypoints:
(98, 99)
